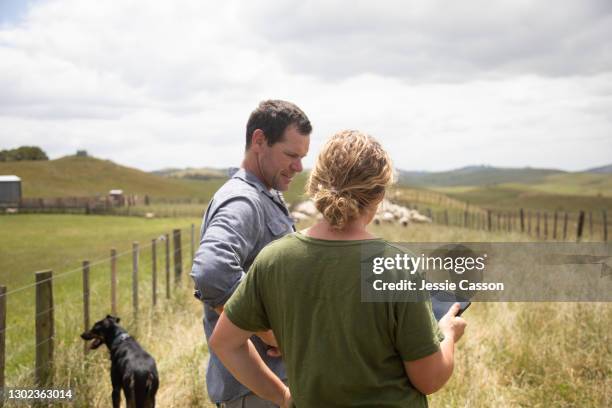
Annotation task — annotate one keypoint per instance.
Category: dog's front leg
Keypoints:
(116, 380)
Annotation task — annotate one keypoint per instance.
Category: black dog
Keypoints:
(132, 368)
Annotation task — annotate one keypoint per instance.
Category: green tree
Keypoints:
(23, 153)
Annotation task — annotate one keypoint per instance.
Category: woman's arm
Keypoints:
(233, 347)
(430, 373)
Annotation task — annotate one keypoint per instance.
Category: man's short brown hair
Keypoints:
(273, 117)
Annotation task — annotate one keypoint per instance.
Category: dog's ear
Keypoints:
(113, 318)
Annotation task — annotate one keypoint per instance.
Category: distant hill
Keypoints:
(603, 169)
(87, 176)
(204, 173)
(475, 176)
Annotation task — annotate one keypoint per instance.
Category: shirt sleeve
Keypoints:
(230, 237)
(416, 330)
(245, 308)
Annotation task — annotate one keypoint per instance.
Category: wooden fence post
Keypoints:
(555, 226)
(565, 227)
(605, 225)
(545, 225)
(529, 222)
(167, 240)
(178, 258)
(45, 330)
(538, 224)
(135, 280)
(522, 214)
(498, 222)
(85, 301)
(154, 270)
(113, 287)
(580, 226)
(489, 219)
(2, 336)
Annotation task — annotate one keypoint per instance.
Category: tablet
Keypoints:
(441, 302)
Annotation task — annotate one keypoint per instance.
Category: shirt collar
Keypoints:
(250, 178)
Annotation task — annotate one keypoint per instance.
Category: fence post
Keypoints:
(605, 226)
(591, 225)
(489, 219)
(545, 225)
(135, 280)
(580, 226)
(2, 336)
(85, 301)
(529, 222)
(565, 227)
(113, 282)
(522, 214)
(555, 227)
(178, 259)
(167, 240)
(154, 270)
(44, 328)
(498, 222)
(538, 224)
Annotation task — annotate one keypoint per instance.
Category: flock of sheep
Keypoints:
(387, 212)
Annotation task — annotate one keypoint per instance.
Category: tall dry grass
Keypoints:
(512, 354)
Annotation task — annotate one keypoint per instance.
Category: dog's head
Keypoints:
(100, 331)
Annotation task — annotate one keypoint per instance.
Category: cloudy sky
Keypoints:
(442, 84)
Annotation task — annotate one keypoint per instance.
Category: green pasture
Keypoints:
(30, 243)
(88, 176)
(514, 196)
(512, 355)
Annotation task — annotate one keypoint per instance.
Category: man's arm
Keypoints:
(233, 347)
(231, 235)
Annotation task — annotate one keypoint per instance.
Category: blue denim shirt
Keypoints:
(242, 217)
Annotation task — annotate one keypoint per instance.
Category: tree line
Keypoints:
(23, 153)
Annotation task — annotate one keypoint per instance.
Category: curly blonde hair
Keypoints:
(352, 171)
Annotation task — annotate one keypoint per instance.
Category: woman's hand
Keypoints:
(451, 325)
(287, 400)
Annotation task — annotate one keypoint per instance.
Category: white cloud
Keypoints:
(441, 84)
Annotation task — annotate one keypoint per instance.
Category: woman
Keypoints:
(306, 287)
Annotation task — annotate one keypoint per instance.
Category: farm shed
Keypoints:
(117, 197)
(10, 191)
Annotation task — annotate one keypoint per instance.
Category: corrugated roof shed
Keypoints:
(9, 178)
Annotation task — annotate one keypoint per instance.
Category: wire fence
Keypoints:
(63, 304)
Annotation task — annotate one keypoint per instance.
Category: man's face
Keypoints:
(283, 160)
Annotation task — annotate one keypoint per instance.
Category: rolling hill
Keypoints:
(88, 176)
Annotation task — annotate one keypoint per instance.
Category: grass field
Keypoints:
(88, 176)
(513, 354)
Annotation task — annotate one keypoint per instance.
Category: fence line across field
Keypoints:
(45, 323)
(536, 224)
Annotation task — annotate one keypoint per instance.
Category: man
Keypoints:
(246, 214)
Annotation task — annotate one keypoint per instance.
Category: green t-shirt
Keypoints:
(339, 351)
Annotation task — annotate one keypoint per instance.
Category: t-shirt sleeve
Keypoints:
(245, 307)
(416, 331)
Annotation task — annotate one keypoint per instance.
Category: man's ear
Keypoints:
(258, 140)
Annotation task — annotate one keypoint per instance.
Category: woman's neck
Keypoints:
(352, 231)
